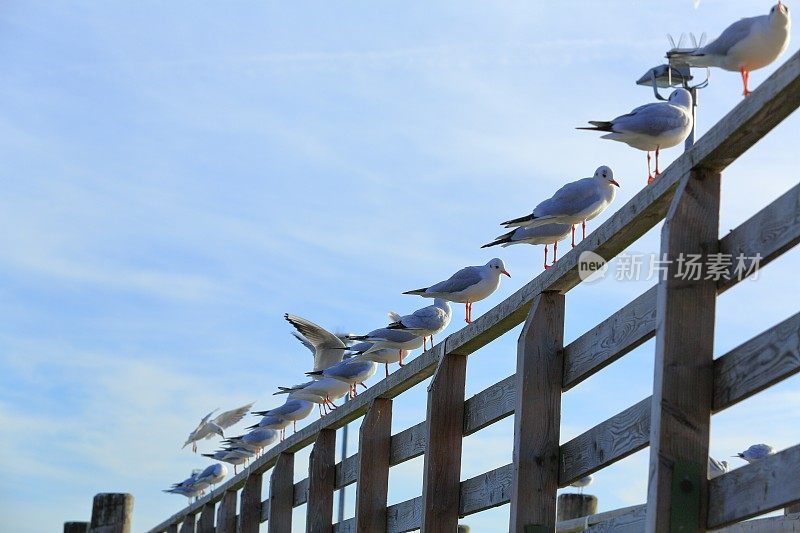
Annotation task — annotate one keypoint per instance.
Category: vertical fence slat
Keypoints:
(226, 513)
(281, 494)
(321, 477)
(76, 527)
(206, 522)
(374, 450)
(677, 495)
(537, 416)
(171, 529)
(250, 505)
(444, 434)
(112, 513)
(188, 524)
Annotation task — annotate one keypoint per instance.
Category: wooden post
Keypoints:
(281, 494)
(792, 509)
(189, 523)
(226, 513)
(677, 493)
(206, 522)
(250, 505)
(111, 513)
(575, 506)
(76, 527)
(373, 466)
(444, 434)
(321, 477)
(537, 416)
(174, 528)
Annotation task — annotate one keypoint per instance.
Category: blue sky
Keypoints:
(178, 175)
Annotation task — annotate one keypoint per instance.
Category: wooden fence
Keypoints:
(689, 386)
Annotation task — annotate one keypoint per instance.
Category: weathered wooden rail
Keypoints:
(689, 386)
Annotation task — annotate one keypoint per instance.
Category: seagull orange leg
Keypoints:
(386, 367)
(583, 227)
(555, 253)
(649, 174)
(401, 358)
(573, 235)
(745, 80)
(545, 257)
(658, 151)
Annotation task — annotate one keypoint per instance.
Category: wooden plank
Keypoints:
(770, 232)
(250, 507)
(537, 415)
(373, 467)
(490, 405)
(300, 493)
(346, 471)
(188, 525)
(408, 444)
(753, 117)
(226, 513)
(348, 526)
(775, 524)
(754, 489)
(631, 522)
(757, 364)
(445, 424)
(606, 443)
(112, 513)
(485, 491)
(616, 518)
(404, 516)
(319, 511)
(677, 492)
(206, 522)
(281, 494)
(614, 337)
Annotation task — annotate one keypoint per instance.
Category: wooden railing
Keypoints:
(689, 384)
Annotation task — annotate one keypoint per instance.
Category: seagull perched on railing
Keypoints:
(207, 428)
(585, 481)
(385, 338)
(293, 410)
(379, 355)
(756, 452)
(322, 392)
(547, 234)
(746, 45)
(255, 441)
(425, 322)
(467, 286)
(233, 456)
(328, 349)
(716, 468)
(651, 127)
(574, 203)
(353, 371)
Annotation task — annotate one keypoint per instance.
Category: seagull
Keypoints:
(212, 475)
(234, 456)
(353, 371)
(716, 468)
(425, 322)
(379, 355)
(582, 482)
(189, 491)
(397, 339)
(576, 202)
(255, 441)
(756, 452)
(274, 422)
(208, 428)
(469, 285)
(549, 233)
(322, 392)
(746, 45)
(651, 127)
(293, 410)
(328, 348)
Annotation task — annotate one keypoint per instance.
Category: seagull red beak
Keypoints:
(506, 273)
(613, 182)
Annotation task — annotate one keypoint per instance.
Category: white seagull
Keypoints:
(651, 127)
(233, 456)
(208, 428)
(756, 452)
(574, 203)
(212, 475)
(397, 339)
(353, 371)
(255, 441)
(425, 322)
(469, 285)
(328, 348)
(293, 410)
(547, 234)
(582, 482)
(716, 468)
(379, 355)
(746, 45)
(322, 392)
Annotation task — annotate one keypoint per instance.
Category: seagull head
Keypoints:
(779, 14)
(497, 265)
(681, 97)
(216, 429)
(606, 175)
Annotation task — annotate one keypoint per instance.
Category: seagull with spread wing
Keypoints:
(328, 349)
(207, 428)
